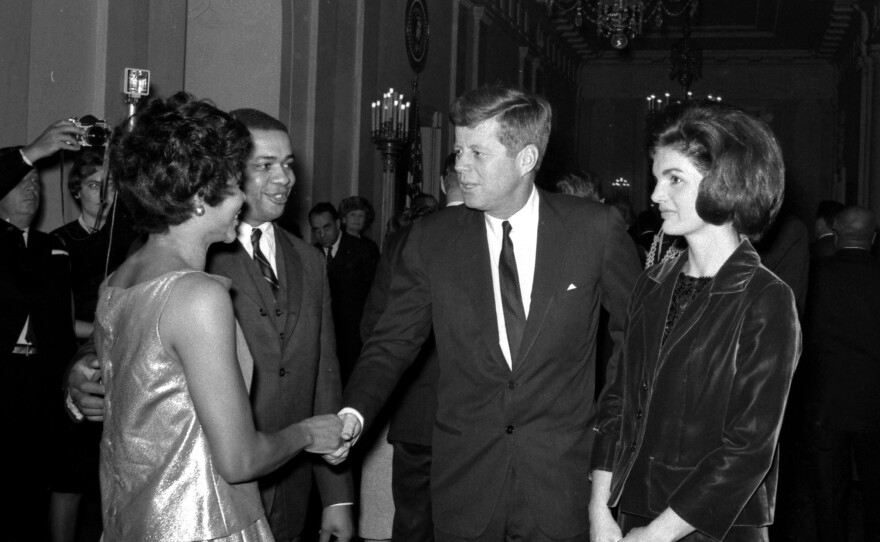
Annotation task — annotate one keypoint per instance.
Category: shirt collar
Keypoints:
(525, 219)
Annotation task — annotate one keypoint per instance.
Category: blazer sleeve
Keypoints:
(769, 345)
(13, 168)
(334, 483)
(399, 333)
(620, 271)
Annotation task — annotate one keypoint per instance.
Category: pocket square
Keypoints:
(57, 252)
(571, 287)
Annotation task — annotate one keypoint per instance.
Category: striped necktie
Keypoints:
(263, 263)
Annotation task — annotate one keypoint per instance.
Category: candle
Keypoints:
(406, 118)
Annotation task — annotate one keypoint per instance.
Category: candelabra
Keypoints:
(389, 127)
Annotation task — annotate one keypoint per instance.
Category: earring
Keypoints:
(200, 211)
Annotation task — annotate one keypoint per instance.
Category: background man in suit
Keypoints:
(842, 360)
(351, 265)
(36, 331)
(511, 285)
(282, 301)
(823, 245)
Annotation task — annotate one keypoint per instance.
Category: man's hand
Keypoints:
(61, 135)
(85, 387)
(351, 430)
(337, 521)
(324, 432)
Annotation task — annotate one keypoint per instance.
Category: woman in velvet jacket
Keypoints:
(687, 430)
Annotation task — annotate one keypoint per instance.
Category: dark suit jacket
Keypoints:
(296, 374)
(823, 247)
(842, 330)
(414, 405)
(13, 168)
(537, 417)
(693, 424)
(351, 276)
(35, 283)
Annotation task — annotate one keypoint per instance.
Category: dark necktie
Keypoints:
(263, 263)
(329, 255)
(511, 299)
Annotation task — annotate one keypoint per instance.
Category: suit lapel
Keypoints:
(477, 279)
(290, 273)
(550, 257)
(235, 263)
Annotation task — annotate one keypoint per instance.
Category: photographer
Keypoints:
(36, 329)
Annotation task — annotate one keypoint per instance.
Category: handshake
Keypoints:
(331, 435)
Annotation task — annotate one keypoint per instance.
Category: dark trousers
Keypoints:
(735, 534)
(512, 520)
(28, 424)
(831, 454)
(411, 490)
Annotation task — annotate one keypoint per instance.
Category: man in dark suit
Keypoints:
(823, 246)
(282, 301)
(512, 285)
(36, 330)
(842, 363)
(351, 265)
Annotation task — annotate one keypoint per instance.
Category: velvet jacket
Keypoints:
(693, 424)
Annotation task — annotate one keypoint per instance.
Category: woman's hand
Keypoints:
(603, 528)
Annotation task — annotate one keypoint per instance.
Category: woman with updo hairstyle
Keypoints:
(179, 452)
(687, 428)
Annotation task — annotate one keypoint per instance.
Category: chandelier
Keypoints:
(620, 20)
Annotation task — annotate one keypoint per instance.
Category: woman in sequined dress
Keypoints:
(686, 443)
(179, 452)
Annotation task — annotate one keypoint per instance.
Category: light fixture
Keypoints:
(620, 20)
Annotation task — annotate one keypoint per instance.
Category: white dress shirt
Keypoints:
(524, 236)
(267, 241)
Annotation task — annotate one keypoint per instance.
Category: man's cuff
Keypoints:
(25, 158)
(72, 409)
(349, 410)
(340, 504)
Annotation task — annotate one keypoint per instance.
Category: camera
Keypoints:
(96, 132)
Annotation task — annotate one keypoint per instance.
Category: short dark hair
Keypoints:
(827, 211)
(582, 184)
(524, 119)
(324, 207)
(87, 162)
(740, 159)
(255, 119)
(357, 203)
(179, 148)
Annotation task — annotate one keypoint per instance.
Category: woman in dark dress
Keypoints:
(687, 430)
(95, 246)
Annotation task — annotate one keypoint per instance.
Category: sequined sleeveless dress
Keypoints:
(158, 481)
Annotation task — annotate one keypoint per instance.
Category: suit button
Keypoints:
(263, 312)
(277, 312)
(282, 372)
(281, 335)
(633, 447)
(639, 415)
(645, 385)
(509, 429)
(511, 385)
